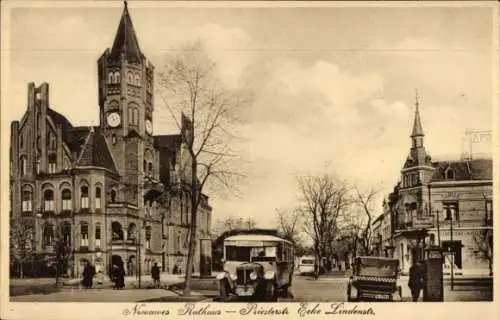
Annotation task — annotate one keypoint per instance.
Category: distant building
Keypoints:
(113, 193)
(431, 196)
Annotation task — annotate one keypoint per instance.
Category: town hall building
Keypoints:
(114, 193)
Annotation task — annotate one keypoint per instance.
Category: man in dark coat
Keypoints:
(416, 281)
(155, 274)
(88, 274)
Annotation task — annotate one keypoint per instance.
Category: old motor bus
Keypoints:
(256, 266)
(306, 265)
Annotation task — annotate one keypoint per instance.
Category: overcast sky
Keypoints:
(335, 87)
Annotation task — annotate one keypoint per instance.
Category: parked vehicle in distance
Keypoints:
(306, 265)
(374, 278)
(256, 266)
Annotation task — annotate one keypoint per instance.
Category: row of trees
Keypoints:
(335, 215)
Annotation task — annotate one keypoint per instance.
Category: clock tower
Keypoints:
(126, 80)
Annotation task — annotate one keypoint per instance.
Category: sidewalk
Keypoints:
(96, 295)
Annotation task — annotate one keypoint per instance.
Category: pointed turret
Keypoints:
(125, 39)
(417, 124)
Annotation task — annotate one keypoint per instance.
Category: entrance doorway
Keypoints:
(456, 248)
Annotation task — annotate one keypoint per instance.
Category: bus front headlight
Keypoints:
(253, 275)
(233, 277)
(269, 275)
(396, 296)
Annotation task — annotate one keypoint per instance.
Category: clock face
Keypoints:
(149, 126)
(114, 119)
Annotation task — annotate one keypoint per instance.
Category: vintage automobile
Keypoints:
(306, 265)
(374, 278)
(256, 266)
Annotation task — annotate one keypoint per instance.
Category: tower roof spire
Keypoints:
(417, 124)
(125, 39)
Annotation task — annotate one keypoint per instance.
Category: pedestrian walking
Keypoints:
(416, 281)
(155, 274)
(88, 274)
(121, 276)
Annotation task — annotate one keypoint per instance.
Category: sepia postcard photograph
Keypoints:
(247, 159)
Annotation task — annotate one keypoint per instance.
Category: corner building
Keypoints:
(442, 203)
(114, 193)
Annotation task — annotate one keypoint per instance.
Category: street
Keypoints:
(327, 288)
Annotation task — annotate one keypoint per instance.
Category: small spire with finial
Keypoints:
(125, 3)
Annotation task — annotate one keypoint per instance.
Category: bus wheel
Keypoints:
(270, 292)
(224, 289)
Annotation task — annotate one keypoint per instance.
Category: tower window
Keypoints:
(52, 163)
(98, 198)
(21, 141)
(450, 174)
(110, 77)
(113, 139)
(130, 78)
(137, 79)
(113, 196)
(23, 165)
(117, 77)
(66, 200)
(84, 195)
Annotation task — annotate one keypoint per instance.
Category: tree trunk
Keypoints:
(192, 235)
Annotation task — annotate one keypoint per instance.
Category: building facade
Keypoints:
(442, 203)
(113, 193)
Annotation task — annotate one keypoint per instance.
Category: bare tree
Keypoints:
(288, 224)
(324, 199)
(190, 90)
(361, 220)
(232, 223)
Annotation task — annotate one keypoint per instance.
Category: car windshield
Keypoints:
(377, 267)
(235, 253)
(307, 261)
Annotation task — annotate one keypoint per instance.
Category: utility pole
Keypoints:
(451, 251)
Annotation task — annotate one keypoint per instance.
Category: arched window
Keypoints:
(66, 200)
(131, 115)
(52, 163)
(97, 235)
(98, 197)
(110, 77)
(117, 77)
(144, 166)
(178, 242)
(23, 165)
(84, 234)
(51, 138)
(130, 78)
(136, 116)
(131, 232)
(48, 235)
(84, 196)
(137, 79)
(27, 199)
(48, 200)
(150, 168)
(117, 230)
(148, 237)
